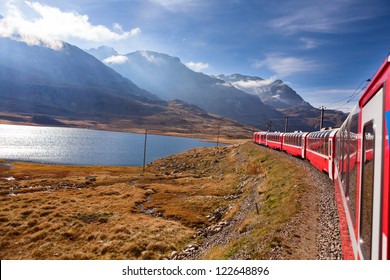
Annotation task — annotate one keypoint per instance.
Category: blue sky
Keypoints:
(322, 49)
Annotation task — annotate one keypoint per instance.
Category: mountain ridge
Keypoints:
(71, 87)
(168, 78)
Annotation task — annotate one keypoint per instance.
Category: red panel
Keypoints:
(292, 150)
(319, 161)
(346, 244)
(274, 145)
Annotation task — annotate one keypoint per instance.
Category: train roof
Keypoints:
(376, 83)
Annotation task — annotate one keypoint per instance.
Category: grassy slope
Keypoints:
(122, 214)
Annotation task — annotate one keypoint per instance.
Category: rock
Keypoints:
(90, 178)
(174, 254)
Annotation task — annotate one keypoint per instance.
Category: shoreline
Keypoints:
(229, 131)
(203, 137)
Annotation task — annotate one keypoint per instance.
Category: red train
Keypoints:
(356, 157)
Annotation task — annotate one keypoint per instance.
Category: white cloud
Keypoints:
(176, 5)
(253, 86)
(321, 18)
(310, 43)
(197, 66)
(117, 27)
(49, 24)
(116, 59)
(254, 83)
(286, 65)
(135, 31)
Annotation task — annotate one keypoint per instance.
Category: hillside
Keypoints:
(247, 99)
(200, 204)
(169, 78)
(68, 86)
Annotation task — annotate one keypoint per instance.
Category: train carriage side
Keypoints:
(259, 137)
(254, 137)
(274, 140)
(294, 143)
(372, 222)
(319, 150)
(263, 138)
(362, 170)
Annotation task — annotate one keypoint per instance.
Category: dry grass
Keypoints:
(280, 197)
(70, 212)
(91, 223)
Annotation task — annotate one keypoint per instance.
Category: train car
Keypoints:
(362, 171)
(319, 150)
(274, 140)
(294, 143)
(357, 159)
(262, 138)
(255, 137)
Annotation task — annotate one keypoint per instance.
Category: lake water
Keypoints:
(73, 146)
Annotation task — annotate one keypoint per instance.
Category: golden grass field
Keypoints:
(71, 212)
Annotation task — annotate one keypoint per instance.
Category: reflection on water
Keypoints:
(74, 146)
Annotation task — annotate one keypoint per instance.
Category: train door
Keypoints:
(303, 145)
(330, 158)
(371, 157)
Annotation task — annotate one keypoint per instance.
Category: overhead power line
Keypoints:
(350, 98)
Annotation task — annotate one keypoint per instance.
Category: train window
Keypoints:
(353, 162)
(367, 190)
(342, 156)
(338, 149)
(326, 143)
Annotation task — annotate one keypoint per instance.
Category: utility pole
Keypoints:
(146, 136)
(219, 125)
(322, 116)
(286, 124)
(269, 126)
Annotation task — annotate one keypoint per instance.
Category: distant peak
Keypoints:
(102, 52)
(239, 77)
(106, 48)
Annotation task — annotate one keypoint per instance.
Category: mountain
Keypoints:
(67, 82)
(281, 97)
(273, 93)
(102, 52)
(169, 78)
(67, 86)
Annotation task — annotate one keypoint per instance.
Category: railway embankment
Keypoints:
(235, 202)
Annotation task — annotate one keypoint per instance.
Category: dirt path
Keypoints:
(228, 232)
(311, 234)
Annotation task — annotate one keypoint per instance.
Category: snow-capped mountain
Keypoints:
(274, 93)
(169, 78)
